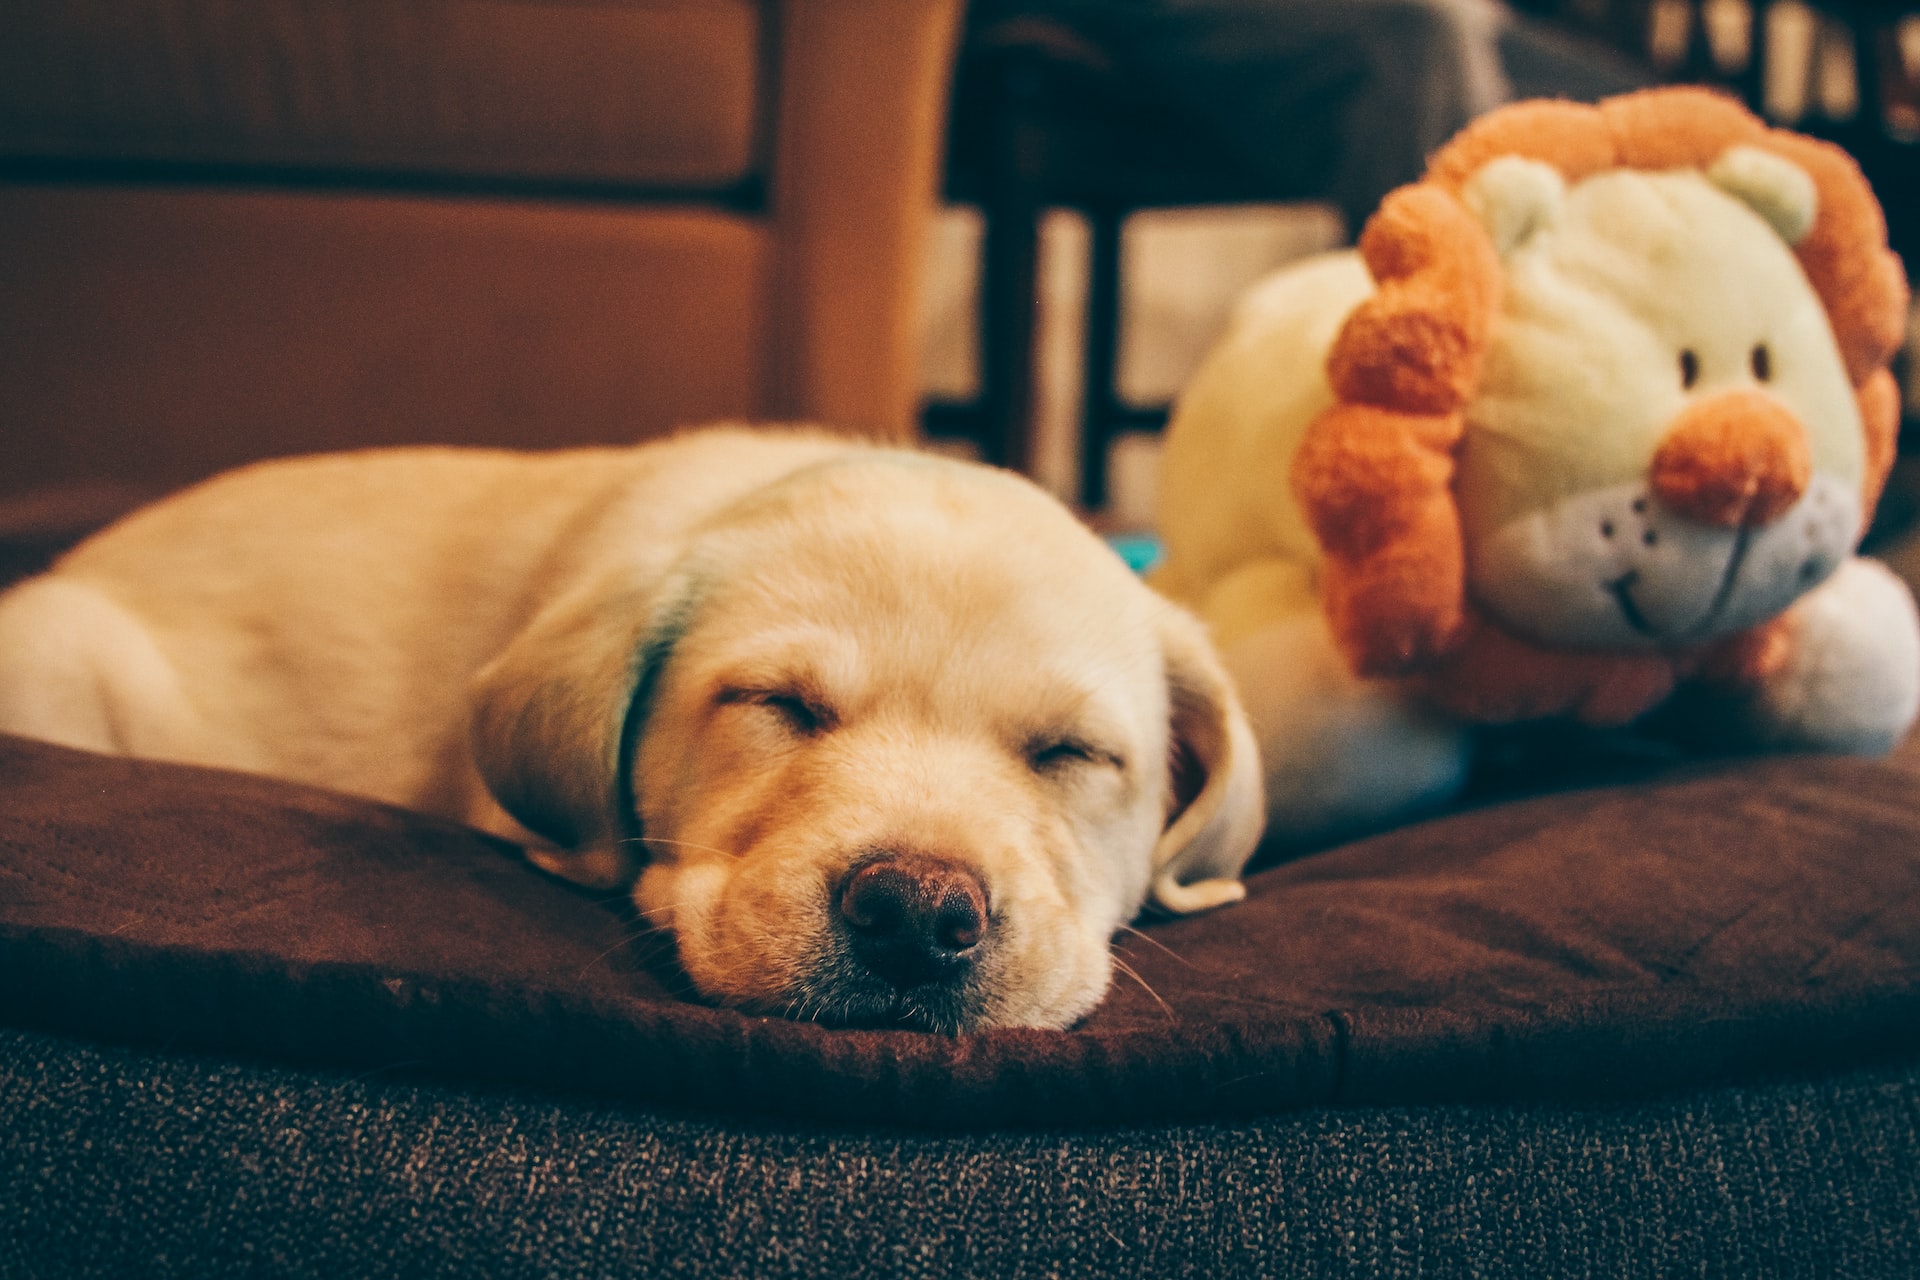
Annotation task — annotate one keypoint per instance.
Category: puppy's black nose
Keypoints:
(913, 919)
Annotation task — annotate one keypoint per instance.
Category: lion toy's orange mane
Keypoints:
(1374, 475)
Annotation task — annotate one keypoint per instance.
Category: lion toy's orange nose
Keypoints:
(1731, 459)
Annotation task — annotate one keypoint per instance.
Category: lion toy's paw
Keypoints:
(1851, 677)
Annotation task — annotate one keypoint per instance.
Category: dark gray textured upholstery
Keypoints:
(125, 1162)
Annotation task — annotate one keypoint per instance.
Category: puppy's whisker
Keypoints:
(622, 942)
(1152, 941)
(649, 931)
(678, 844)
(1128, 969)
(644, 933)
(653, 914)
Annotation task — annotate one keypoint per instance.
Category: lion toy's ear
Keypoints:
(1515, 198)
(1772, 186)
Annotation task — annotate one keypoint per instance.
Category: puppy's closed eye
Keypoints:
(801, 713)
(1049, 755)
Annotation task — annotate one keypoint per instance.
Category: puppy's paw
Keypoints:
(605, 868)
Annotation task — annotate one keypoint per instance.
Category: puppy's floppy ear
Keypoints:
(556, 717)
(1219, 805)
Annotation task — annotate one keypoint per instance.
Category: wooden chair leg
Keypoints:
(1008, 303)
(1099, 399)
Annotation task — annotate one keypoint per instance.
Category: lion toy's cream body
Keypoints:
(1597, 411)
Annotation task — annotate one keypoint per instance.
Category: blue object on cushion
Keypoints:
(1141, 551)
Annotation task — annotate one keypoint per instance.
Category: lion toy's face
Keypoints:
(1665, 448)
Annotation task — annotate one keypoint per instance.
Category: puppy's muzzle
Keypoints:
(912, 920)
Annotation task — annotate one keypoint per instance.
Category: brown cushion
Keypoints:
(659, 93)
(1733, 919)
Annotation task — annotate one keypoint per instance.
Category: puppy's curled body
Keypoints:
(880, 738)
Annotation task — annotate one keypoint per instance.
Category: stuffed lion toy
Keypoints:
(1598, 411)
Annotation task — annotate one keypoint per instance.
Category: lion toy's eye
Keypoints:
(1689, 368)
(1762, 362)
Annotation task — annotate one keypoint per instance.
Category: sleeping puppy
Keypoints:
(882, 739)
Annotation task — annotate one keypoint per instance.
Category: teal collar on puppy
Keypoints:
(649, 661)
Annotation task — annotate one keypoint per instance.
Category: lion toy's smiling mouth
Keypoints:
(1617, 568)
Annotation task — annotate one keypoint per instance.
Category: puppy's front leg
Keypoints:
(606, 869)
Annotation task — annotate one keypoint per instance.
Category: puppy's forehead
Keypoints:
(881, 525)
(946, 568)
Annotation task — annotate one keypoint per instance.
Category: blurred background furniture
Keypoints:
(238, 228)
(1045, 118)
(1115, 109)
(1112, 111)
(1844, 70)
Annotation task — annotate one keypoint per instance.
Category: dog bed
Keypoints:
(1729, 920)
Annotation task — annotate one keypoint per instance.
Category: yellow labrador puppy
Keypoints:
(882, 739)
